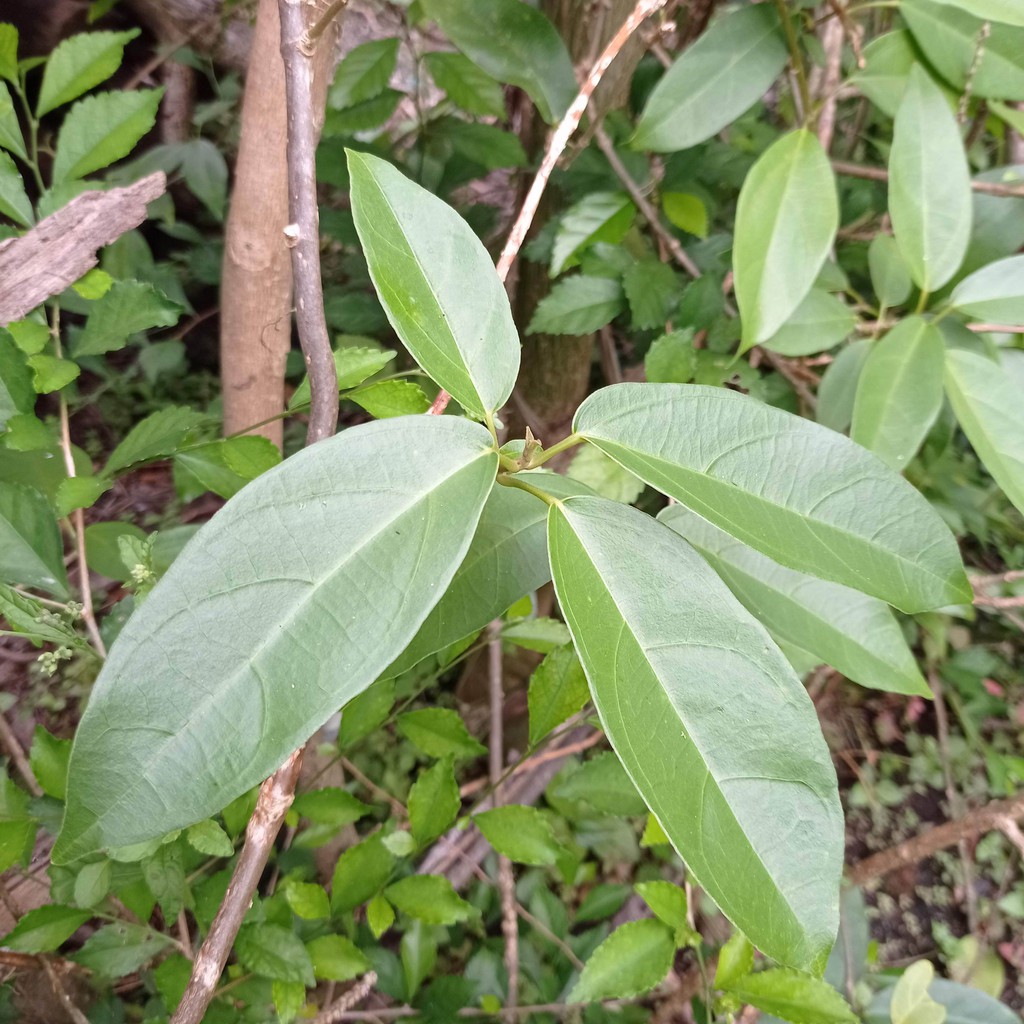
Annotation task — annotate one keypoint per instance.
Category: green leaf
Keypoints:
(273, 951)
(336, 958)
(49, 761)
(558, 690)
(434, 801)
(380, 916)
(431, 899)
(603, 783)
(388, 398)
(308, 901)
(157, 436)
(226, 466)
(127, 308)
(578, 305)
(14, 202)
(367, 712)
(735, 960)
(786, 220)
(78, 492)
(103, 128)
(793, 997)
(31, 552)
(850, 631)
(520, 833)
(361, 872)
(838, 389)
(485, 144)
(597, 217)
(652, 289)
(439, 733)
(10, 128)
(911, 1003)
(25, 433)
(687, 212)
(987, 403)
(820, 322)
(888, 59)
(604, 476)
(708, 448)
(205, 172)
(536, 634)
(648, 614)
(899, 393)
(513, 43)
(353, 365)
(17, 395)
(994, 293)
(44, 929)
(51, 374)
(724, 73)
(289, 998)
(363, 117)
(9, 52)
(244, 609)
(668, 902)
(929, 184)
(27, 617)
(121, 948)
(962, 1004)
(209, 838)
(421, 253)
(631, 961)
(364, 73)
(1006, 11)
(890, 277)
(466, 85)
(79, 63)
(92, 883)
(671, 359)
(331, 806)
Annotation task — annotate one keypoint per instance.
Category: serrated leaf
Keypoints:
(78, 492)
(850, 631)
(631, 961)
(671, 359)
(127, 308)
(994, 293)
(646, 612)
(724, 73)
(275, 952)
(988, 406)
(364, 73)
(652, 289)
(708, 447)
(270, 624)
(157, 436)
(44, 929)
(820, 322)
(420, 254)
(209, 838)
(336, 958)
(929, 184)
(30, 336)
(485, 144)
(79, 63)
(735, 960)
(521, 833)
(786, 221)
(331, 806)
(890, 277)
(308, 901)
(793, 997)
(668, 902)
(899, 392)
(578, 305)
(440, 733)
(387, 398)
(514, 43)
(466, 85)
(119, 949)
(48, 758)
(380, 916)
(101, 129)
(27, 617)
(363, 117)
(597, 217)
(434, 801)
(31, 552)
(289, 999)
(431, 899)
(558, 690)
(361, 872)
(14, 201)
(353, 365)
(50, 373)
(17, 395)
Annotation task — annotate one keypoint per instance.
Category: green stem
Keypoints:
(517, 481)
(922, 302)
(556, 449)
(796, 58)
(33, 135)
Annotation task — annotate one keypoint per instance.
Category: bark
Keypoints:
(256, 283)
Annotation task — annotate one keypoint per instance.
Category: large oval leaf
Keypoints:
(514, 43)
(709, 721)
(798, 492)
(963, 1004)
(899, 393)
(724, 73)
(1009, 12)
(994, 293)
(437, 285)
(846, 629)
(286, 605)
(31, 553)
(988, 405)
(929, 184)
(786, 220)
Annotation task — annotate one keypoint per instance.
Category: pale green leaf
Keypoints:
(336, 958)
(31, 552)
(380, 916)
(17, 395)
(78, 492)
(671, 359)
(578, 305)
(605, 476)
(226, 466)
(160, 434)
(1009, 12)
(725, 72)
(899, 393)
(79, 63)
(388, 398)
(911, 1003)
(838, 389)
(844, 628)
(14, 202)
(890, 277)
(668, 902)
(121, 948)
(10, 127)
(307, 900)
(434, 801)
(8, 52)
(597, 217)
(631, 961)
(888, 59)
(49, 373)
(514, 43)
(820, 322)
(828, 507)
(48, 759)
(361, 872)
(421, 254)
(648, 614)
(353, 364)
(786, 220)
(431, 899)
(929, 184)
(30, 336)
(962, 1005)
(793, 997)
(364, 73)
(305, 551)
(209, 838)
(603, 783)
(466, 85)
(330, 806)
(523, 834)
(536, 634)
(735, 960)
(995, 293)
(44, 929)
(988, 406)
(686, 212)
(439, 733)
(558, 690)
(101, 129)
(289, 996)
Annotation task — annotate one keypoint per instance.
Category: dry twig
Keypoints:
(990, 188)
(338, 1010)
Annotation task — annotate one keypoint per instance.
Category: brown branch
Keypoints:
(276, 795)
(61, 992)
(62, 247)
(556, 146)
(338, 1010)
(990, 188)
(989, 818)
(10, 743)
(303, 233)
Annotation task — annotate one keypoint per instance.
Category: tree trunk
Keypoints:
(256, 283)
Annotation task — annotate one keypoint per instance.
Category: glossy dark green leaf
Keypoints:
(293, 597)
(899, 393)
(364, 73)
(466, 85)
(995, 293)
(31, 552)
(79, 63)
(827, 506)
(514, 43)
(726, 71)
(929, 184)
(850, 631)
(651, 619)
(786, 220)
(793, 997)
(421, 253)
(631, 961)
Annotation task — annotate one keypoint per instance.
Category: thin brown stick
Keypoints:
(990, 188)
(989, 818)
(999, 602)
(556, 146)
(558, 1009)
(302, 235)
(352, 998)
(397, 807)
(10, 744)
(832, 44)
(72, 1011)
